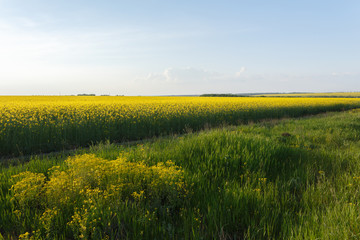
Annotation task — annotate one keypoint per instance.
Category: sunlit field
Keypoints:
(278, 179)
(43, 124)
(330, 94)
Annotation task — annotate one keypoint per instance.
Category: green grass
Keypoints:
(289, 179)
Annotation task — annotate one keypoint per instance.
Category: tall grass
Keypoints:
(293, 179)
(44, 124)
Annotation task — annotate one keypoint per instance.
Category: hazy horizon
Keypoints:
(180, 95)
(154, 47)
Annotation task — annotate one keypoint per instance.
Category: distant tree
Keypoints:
(87, 94)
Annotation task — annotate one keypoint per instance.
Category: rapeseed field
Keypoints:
(49, 123)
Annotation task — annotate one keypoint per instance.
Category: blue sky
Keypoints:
(178, 47)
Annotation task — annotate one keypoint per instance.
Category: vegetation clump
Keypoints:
(91, 198)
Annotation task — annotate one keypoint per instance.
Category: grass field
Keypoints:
(44, 124)
(277, 179)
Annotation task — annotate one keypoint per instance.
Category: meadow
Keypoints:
(202, 168)
(39, 124)
(277, 179)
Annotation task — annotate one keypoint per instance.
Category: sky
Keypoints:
(168, 47)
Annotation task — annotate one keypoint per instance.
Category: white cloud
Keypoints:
(26, 40)
(193, 75)
(189, 74)
(93, 59)
(188, 80)
(197, 81)
(240, 72)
